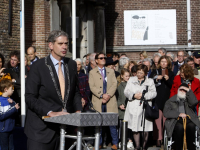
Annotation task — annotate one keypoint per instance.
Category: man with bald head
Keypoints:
(31, 52)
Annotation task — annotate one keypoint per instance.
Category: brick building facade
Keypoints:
(38, 25)
(9, 42)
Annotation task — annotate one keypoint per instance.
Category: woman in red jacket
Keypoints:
(186, 76)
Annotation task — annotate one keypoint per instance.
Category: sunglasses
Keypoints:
(102, 58)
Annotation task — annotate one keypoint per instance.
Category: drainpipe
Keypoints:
(189, 31)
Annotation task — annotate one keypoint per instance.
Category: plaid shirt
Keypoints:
(84, 88)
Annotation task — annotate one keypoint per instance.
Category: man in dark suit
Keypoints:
(51, 89)
(179, 62)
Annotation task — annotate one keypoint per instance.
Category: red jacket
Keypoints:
(195, 87)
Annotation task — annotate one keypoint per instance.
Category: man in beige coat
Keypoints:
(103, 85)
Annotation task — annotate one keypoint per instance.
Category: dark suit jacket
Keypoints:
(163, 90)
(175, 68)
(43, 95)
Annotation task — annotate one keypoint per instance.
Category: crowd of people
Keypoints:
(56, 85)
(116, 84)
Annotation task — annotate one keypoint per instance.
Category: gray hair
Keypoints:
(163, 50)
(92, 57)
(147, 59)
(156, 55)
(78, 59)
(123, 61)
(172, 55)
(84, 59)
(55, 34)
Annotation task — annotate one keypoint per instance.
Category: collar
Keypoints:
(55, 61)
(142, 81)
(181, 63)
(101, 68)
(34, 59)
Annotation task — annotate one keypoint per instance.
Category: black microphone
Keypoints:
(143, 93)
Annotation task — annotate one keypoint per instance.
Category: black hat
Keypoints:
(196, 54)
(109, 61)
(184, 84)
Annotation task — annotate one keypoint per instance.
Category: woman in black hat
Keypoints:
(111, 64)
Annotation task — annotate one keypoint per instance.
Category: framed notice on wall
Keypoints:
(150, 27)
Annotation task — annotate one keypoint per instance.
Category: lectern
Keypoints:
(82, 120)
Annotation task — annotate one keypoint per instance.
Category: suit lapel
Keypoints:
(106, 72)
(67, 73)
(54, 76)
(68, 70)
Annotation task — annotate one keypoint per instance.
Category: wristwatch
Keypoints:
(133, 97)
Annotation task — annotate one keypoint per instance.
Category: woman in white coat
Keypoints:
(133, 114)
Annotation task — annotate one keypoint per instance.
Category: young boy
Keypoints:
(8, 110)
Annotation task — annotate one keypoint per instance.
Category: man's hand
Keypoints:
(106, 97)
(17, 106)
(1, 72)
(182, 115)
(83, 102)
(138, 96)
(53, 114)
(104, 101)
(122, 107)
(184, 88)
(10, 100)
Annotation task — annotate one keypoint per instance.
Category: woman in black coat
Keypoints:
(163, 79)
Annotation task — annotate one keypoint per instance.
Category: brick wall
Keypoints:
(7, 42)
(37, 25)
(115, 18)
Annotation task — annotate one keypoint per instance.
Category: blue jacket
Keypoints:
(7, 115)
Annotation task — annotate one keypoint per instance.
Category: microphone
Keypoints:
(143, 93)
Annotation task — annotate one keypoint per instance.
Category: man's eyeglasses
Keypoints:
(102, 58)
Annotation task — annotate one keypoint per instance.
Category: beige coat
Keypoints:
(133, 113)
(96, 87)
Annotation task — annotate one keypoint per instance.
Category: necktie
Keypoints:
(61, 80)
(102, 74)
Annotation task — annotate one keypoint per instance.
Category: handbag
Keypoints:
(151, 112)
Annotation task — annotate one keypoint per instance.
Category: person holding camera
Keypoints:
(163, 78)
(134, 91)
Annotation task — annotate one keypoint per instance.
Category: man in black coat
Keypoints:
(44, 94)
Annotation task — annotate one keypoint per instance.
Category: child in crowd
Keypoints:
(8, 110)
(122, 100)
